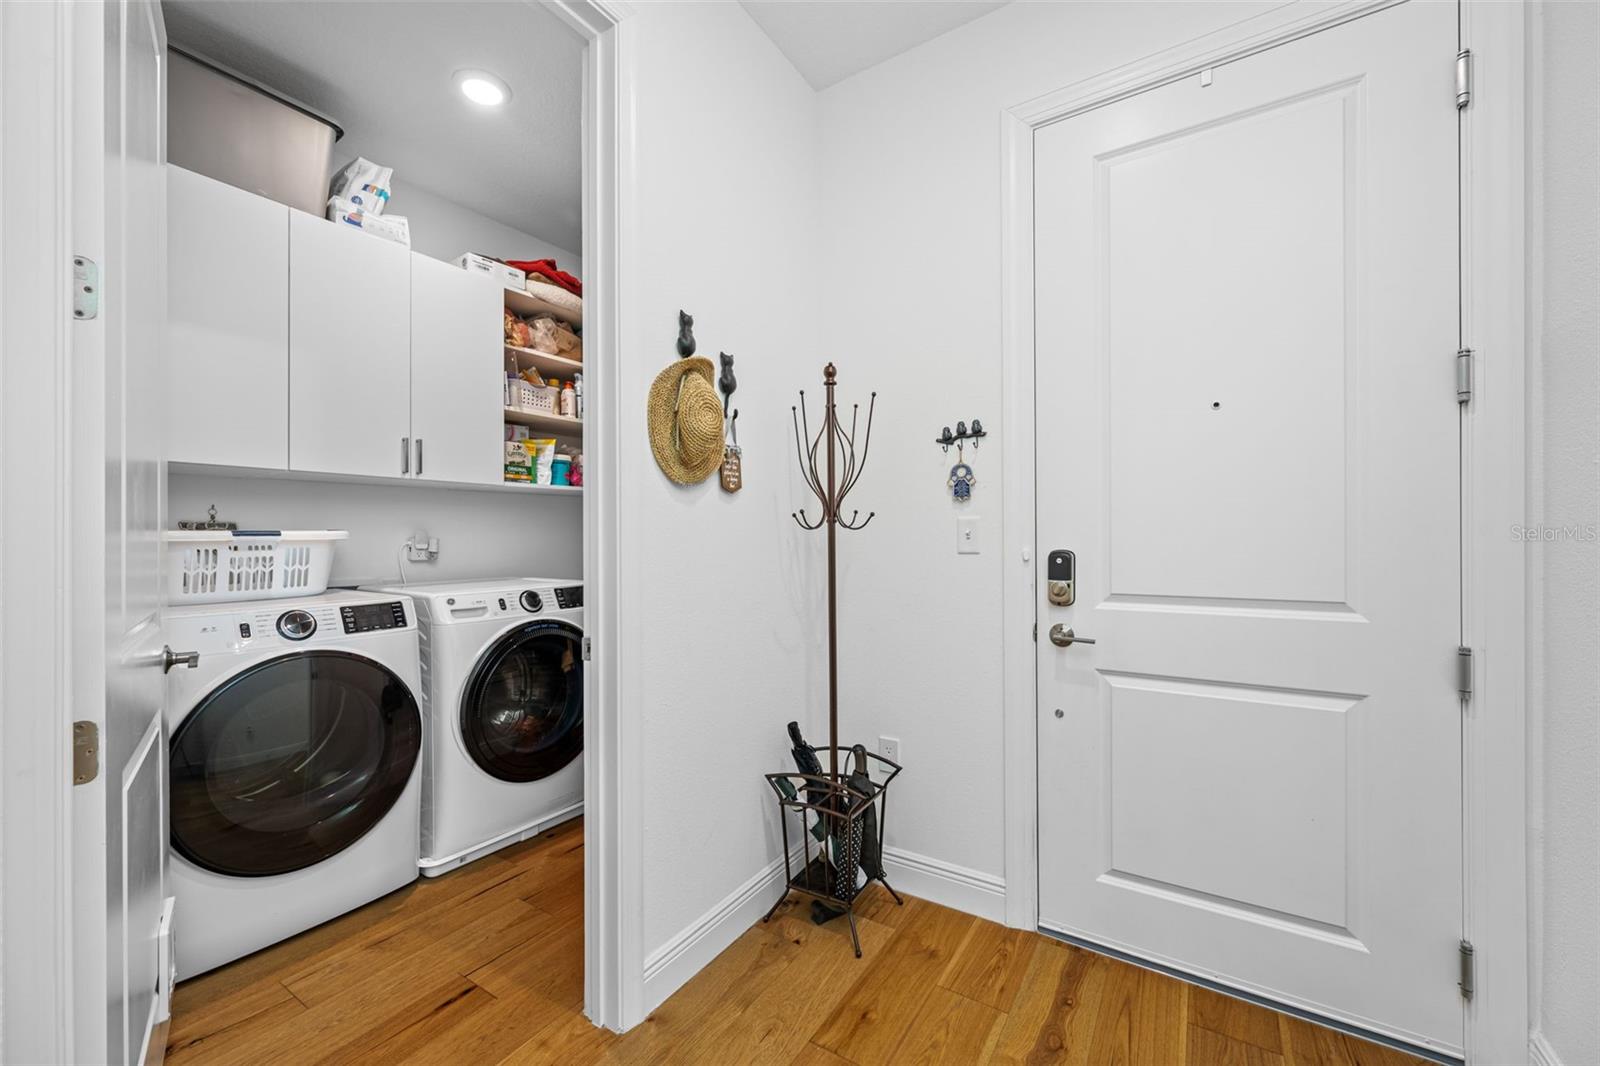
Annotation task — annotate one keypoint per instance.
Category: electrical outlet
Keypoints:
(889, 748)
(967, 535)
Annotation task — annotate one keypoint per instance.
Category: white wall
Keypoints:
(910, 160)
(481, 533)
(1564, 664)
(721, 651)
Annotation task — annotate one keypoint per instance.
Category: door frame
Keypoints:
(1494, 444)
(613, 801)
(38, 693)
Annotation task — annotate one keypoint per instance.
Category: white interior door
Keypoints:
(457, 374)
(120, 838)
(1247, 434)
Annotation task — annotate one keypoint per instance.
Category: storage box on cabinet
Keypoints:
(456, 374)
(349, 350)
(228, 324)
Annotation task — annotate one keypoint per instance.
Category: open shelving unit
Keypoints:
(568, 432)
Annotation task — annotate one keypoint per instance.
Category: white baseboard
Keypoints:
(946, 883)
(672, 964)
(667, 968)
(1540, 1053)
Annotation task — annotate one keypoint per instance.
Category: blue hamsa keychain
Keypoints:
(962, 478)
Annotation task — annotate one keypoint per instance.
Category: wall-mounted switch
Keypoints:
(967, 535)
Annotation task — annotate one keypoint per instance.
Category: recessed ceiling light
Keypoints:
(482, 88)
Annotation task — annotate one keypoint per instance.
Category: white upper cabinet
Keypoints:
(349, 350)
(227, 324)
(457, 359)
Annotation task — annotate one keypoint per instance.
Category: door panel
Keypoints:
(457, 372)
(1247, 431)
(228, 315)
(349, 350)
(133, 313)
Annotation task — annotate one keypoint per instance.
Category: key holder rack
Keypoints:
(945, 438)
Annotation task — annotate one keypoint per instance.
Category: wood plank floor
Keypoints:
(484, 965)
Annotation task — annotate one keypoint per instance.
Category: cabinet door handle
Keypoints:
(419, 456)
(405, 455)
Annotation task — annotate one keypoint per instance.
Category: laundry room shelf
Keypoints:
(560, 425)
(548, 365)
(214, 470)
(525, 303)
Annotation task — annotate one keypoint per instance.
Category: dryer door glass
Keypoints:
(290, 762)
(522, 714)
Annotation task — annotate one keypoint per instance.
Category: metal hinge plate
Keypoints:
(588, 649)
(85, 288)
(1463, 78)
(1464, 375)
(85, 752)
(1464, 672)
(1465, 983)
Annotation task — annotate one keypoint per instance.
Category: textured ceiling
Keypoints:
(383, 72)
(828, 41)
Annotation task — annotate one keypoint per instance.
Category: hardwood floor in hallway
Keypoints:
(485, 965)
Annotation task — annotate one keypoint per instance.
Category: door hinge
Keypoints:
(1036, 632)
(85, 288)
(1466, 982)
(1463, 78)
(1464, 672)
(85, 752)
(588, 649)
(1463, 375)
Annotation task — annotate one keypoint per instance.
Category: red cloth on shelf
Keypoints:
(546, 269)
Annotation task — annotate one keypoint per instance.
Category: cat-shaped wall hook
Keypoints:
(685, 334)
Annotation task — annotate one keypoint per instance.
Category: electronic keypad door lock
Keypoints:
(1061, 574)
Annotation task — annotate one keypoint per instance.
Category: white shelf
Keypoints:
(213, 470)
(525, 303)
(560, 425)
(548, 365)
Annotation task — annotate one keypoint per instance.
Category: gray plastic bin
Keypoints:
(225, 126)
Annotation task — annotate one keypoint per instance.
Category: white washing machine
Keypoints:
(502, 692)
(294, 764)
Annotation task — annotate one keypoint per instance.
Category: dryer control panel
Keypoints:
(367, 617)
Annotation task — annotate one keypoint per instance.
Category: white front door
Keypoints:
(119, 221)
(1247, 435)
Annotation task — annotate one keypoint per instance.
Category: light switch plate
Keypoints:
(967, 542)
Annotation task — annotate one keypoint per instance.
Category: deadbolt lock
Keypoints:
(1061, 573)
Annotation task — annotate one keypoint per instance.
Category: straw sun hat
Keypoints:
(685, 419)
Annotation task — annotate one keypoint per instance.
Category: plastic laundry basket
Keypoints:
(215, 566)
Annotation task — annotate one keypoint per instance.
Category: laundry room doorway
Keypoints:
(91, 104)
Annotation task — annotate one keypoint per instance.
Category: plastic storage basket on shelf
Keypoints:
(215, 566)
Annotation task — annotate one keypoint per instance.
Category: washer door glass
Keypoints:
(522, 714)
(291, 762)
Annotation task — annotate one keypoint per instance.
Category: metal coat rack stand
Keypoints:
(833, 806)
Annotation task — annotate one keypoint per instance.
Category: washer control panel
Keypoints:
(368, 617)
(569, 597)
(296, 624)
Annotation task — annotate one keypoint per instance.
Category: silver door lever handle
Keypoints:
(170, 658)
(1062, 637)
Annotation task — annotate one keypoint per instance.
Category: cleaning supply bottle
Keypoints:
(569, 401)
(577, 390)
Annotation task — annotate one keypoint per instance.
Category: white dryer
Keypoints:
(294, 765)
(502, 668)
